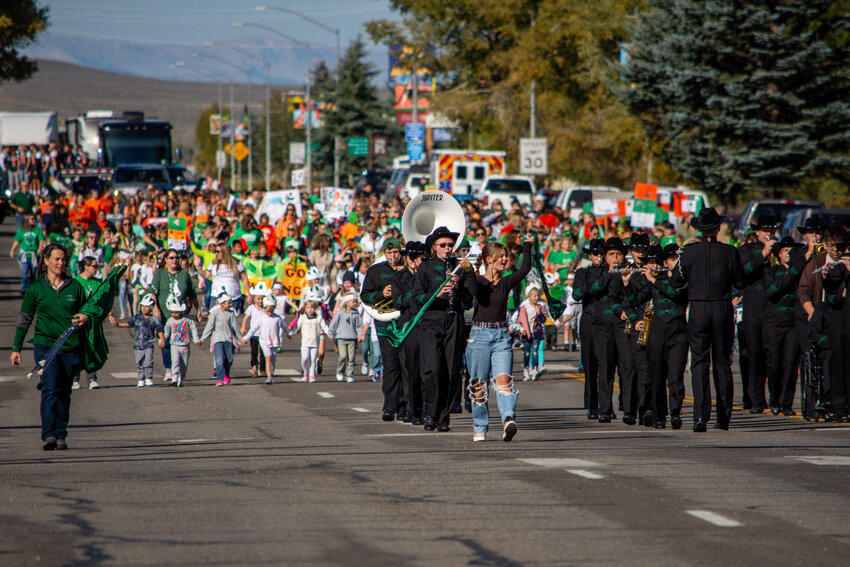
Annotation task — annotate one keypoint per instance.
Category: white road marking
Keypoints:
(714, 518)
(565, 463)
(287, 372)
(325, 395)
(640, 430)
(361, 410)
(845, 429)
(826, 460)
(9, 378)
(586, 474)
(561, 368)
(193, 441)
(124, 375)
(418, 434)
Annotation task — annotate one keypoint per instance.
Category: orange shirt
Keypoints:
(350, 231)
(269, 238)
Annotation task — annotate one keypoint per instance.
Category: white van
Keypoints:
(572, 199)
(506, 188)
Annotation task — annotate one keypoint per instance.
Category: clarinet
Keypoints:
(451, 264)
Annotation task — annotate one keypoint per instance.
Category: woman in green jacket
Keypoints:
(55, 301)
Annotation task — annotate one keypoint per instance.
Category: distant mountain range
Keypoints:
(287, 62)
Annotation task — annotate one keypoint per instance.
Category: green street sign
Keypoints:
(358, 146)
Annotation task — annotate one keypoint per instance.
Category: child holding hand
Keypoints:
(347, 329)
(268, 327)
(224, 331)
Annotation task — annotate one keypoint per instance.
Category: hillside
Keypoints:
(70, 89)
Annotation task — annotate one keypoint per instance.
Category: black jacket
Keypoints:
(711, 269)
(378, 276)
(430, 275)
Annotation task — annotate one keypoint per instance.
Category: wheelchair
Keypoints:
(812, 387)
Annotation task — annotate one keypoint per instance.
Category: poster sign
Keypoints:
(337, 202)
(293, 277)
(297, 153)
(603, 207)
(299, 177)
(274, 204)
(177, 233)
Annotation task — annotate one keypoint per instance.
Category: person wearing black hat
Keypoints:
(377, 287)
(410, 405)
(782, 348)
(711, 269)
(639, 298)
(667, 347)
(440, 328)
(836, 360)
(589, 308)
(613, 347)
(814, 235)
(755, 259)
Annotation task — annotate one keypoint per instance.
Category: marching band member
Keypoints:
(613, 348)
(810, 288)
(377, 287)
(640, 295)
(667, 347)
(440, 328)
(409, 355)
(489, 351)
(754, 257)
(711, 269)
(837, 359)
(589, 311)
(782, 346)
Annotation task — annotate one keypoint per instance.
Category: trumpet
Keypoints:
(820, 248)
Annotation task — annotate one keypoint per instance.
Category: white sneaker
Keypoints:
(179, 382)
(270, 380)
(350, 379)
(526, 375)
(533, 374)
(541, 371)
(167, 376)
(93, 385)
(476, 437)
(148, 382)
(508, 430)
(364, 369)
(140, 383)
(340, 377)
(75, 385)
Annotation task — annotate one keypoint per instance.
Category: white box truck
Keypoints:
(25, 128)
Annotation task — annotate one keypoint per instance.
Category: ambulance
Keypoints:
(462, 172)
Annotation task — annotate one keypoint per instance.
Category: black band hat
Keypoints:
(440, 232)
(707, 219)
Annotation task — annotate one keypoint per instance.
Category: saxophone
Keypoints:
(643, 338)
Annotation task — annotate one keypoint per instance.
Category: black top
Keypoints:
(491, 300)
(711, 269)
(377, 277)
(754, 264)
(430, 275)
(402, 282)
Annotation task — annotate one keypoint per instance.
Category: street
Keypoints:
(308, 474)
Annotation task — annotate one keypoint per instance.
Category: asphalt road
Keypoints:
(308, 474)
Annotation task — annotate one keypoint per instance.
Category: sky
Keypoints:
(192, 22)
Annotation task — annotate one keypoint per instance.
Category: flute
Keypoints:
(825, 267)
(636, 270)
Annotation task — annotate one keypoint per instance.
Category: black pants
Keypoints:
(744, 365)
(440, 351)
(642, 393)
(782, 346)
(391, 385)
(411, 378)
(257, 358)
(832, 360)
(614, 352)
(753, 324)
(710, 327)
(840, 378)
(668, 354)
(589, 362)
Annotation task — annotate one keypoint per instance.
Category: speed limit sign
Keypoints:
(533, 156)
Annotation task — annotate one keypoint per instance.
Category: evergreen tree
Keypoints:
(20, 22)
(744, 95)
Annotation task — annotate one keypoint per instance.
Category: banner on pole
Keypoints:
(177, 233)
(337, 202)
(274, 204)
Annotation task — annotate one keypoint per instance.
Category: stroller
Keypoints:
(812, 394)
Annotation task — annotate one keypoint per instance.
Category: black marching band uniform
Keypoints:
(691, 311)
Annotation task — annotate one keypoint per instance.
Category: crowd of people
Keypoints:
(677, 295)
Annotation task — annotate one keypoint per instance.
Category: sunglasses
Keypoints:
(171, 258)
(445, 245)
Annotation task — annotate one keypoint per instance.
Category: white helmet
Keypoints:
(269, 301)
(148, 301)
(314, 274)
(551, 278)
(174, 304)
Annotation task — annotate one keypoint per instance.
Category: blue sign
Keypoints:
(414, 132)
(415, 151)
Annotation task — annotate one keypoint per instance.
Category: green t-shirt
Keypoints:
(29, 239)
(165, 283)
(52, 310)
(558, 257)
(24, 201)
(251, 237)
(89, 285)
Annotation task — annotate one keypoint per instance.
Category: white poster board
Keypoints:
(274, 204)
(337, 202)
(299, 177)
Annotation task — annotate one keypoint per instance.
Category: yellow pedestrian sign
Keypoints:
(240, 151)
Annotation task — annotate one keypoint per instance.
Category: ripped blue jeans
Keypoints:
(488, 355)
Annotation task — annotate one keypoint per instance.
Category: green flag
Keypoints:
(98, 306)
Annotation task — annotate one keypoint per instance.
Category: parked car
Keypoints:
(829, 217)
(506, 188)
(376, 179)
(572, 199)
(130, 179)
(780, 208)
(414, 183)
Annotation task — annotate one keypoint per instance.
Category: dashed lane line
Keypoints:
(714, 518)
(124, 375)
(228, 439)
(586, 474)
(325, 395)
(361, 410)
(825, 460)
(561, 463)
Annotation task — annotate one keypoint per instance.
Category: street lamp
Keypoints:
(207, 73)
(268, 115)
(334, 31)
(232, 114)
(307, 121)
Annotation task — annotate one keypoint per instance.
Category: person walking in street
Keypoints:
(346, 328)
(180, 332)
(147, 330)
(28, 243)
(224, 330)
(55, 301)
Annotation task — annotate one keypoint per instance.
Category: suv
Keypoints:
(829, 217)
(506, 188)
(779, 208)
(130, 179)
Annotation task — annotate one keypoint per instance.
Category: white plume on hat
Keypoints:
(314, 274)
(551, 278)
(174, 304)
(269, 301)
(261, 288)
(347, 297)
(148, 301)
(222, 298)
(530, 288)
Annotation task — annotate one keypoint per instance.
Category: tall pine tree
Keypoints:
(744, 95)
